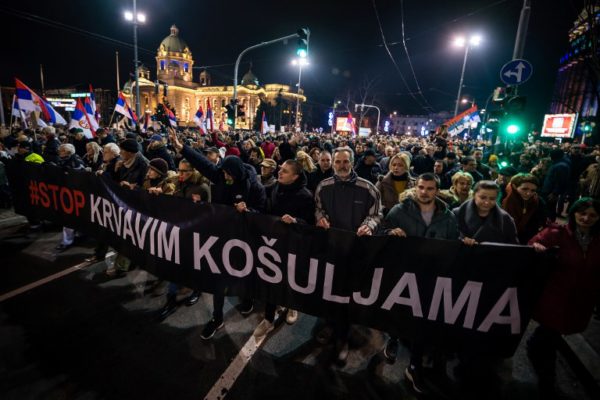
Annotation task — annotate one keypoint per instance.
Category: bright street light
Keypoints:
(300, 62)
(140, 18)
(460, 41)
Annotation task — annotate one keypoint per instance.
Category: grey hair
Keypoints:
(68, 147)
(113, 148)
(347, 150)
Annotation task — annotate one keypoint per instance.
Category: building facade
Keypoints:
(576, 89)
(174, 70)
(416, 125)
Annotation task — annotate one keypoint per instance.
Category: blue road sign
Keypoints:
(516, 72)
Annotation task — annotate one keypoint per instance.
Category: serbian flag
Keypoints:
(264, 124)
(93, 104)
(350, 124)
(28, 100)
(172, 119)
(90, 115)
(122, 107)
(79, 119)
(147, 118)
(209, 116)
(199, 120)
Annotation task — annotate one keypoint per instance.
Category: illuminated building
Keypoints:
(174, 67)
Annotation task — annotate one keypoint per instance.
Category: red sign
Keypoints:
(559, 125)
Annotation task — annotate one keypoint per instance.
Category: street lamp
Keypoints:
(462, 42)
(300, 62)
(465, 101)
(140, 18)
(335, 104)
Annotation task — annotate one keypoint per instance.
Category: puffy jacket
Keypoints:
(406, 215)
(348, 204)
(245, 182)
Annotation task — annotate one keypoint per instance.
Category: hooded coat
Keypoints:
(245, 185)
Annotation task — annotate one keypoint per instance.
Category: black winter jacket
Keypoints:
(295, 200)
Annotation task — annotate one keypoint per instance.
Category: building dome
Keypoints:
(173, 43)
(249, 79)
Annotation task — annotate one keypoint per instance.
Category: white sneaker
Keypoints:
(291, 317)
(263, 329)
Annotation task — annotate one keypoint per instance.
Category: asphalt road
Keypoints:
(82, 336)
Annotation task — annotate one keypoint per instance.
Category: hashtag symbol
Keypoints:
(34, 195)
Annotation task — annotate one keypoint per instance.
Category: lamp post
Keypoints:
(465, 101)
(300, 62)
(462, 42)
(136, 18)
(335, 104)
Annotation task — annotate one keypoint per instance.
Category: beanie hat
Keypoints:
(159, 165)
(156, 138)
(130, 145)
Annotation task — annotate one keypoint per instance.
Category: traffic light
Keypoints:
(512, 122)
(230, 112)
(303, 38)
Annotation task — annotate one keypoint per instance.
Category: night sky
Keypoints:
(345, 48)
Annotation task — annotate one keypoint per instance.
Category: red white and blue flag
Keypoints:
(209, 117)
(122, 107)
(147, 119)
(89, 110)
(264, 124)
(199, 120)
(93, 104)
(172, 119)
(350, 123)
(28, 100)
(80, 119)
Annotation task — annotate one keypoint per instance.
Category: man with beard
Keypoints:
(345, 201)
(421, 214)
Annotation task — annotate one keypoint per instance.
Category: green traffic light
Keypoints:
(503, 164)
(229, 121)
(301, 53)
(512, 129)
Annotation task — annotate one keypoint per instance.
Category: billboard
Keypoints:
(559, 125)
(342, 124)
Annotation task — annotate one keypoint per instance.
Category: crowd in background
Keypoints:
(537, 193)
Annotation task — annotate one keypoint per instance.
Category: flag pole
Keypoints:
(12, 106)
(111, 118)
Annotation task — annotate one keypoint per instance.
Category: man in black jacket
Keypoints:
(234, 184)
(323, 171)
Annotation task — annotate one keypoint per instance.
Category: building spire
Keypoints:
(174, 30)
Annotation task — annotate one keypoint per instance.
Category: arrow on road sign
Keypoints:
(518, 73)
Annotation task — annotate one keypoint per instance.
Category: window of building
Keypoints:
(186, 67)
(162, 64)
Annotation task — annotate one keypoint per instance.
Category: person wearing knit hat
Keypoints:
(130, 145)
(159, 166)
(156, 138)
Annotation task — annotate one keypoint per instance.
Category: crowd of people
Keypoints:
(542, 194)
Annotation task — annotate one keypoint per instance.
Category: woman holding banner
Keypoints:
(571, 292)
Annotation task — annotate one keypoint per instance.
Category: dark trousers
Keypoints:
(219, 303)
(541, 349)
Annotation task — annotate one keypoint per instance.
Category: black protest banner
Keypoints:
(442, 292)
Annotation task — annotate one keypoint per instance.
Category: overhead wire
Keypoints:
(394, 60)
(419, 91)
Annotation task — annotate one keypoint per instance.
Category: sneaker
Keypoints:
(94, 259)
(210, 328)
(413, 375)
(193, 299)
(168, 309)
(245, 308)
(390, 351)
(62, 247)
(263, 329)
(291, 317)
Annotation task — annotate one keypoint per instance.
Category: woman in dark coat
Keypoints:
(568, 299)
(525, 206)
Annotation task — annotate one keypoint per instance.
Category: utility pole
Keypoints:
(522, 30)
(135, 56)
(117, 66)
(42, 80)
